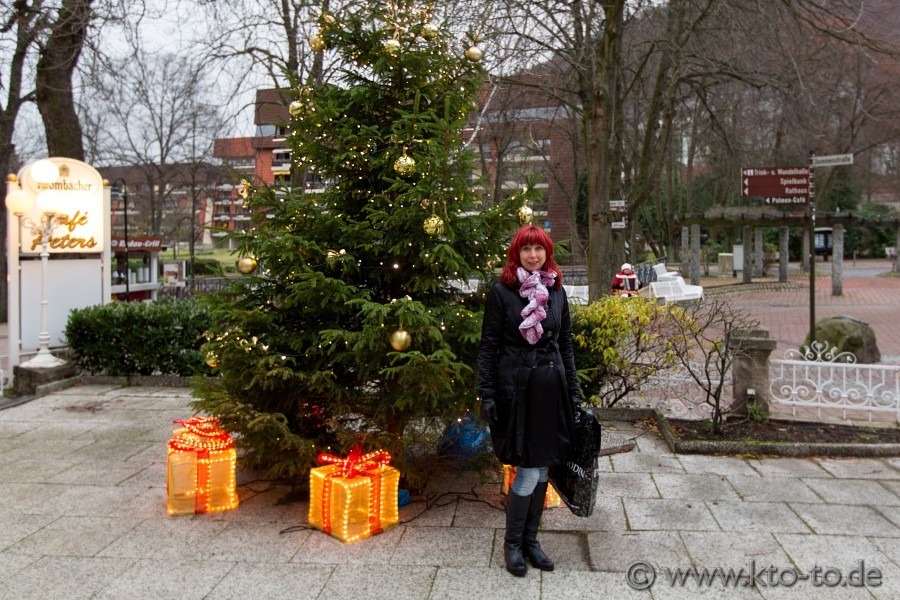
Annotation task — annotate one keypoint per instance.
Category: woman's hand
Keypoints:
(489, 410)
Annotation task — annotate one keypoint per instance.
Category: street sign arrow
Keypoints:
(776, 182)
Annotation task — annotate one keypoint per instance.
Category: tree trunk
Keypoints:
(602, 251)
(25, 37)
(53, 82)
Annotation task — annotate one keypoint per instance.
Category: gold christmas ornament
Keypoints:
(400, 340)
(433, 225)
(246, 265)
(425, 202)
(316, 43)
(212, 360)
(332, 255)
(329, 19)
(525, 214)
(430, 31)
(296, 108)
(392, 47)
(474, 54)
(405, 165)
(245, 189)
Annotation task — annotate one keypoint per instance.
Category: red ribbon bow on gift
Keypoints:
(356, 462)
(201, 433)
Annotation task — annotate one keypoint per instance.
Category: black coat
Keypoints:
(534, 386)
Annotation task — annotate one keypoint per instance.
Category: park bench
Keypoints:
(662, 274)
(577, 294)
(674, 290)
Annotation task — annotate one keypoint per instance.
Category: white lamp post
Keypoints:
(52, 206)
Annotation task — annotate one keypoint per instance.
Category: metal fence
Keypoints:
(819, 384)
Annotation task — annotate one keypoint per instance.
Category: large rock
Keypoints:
(847, 334)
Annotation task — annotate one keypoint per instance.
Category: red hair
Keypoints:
(529, 235)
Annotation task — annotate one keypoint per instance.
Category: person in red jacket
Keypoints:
(626, 283)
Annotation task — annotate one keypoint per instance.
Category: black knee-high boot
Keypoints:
(530, 546)
(516, 513)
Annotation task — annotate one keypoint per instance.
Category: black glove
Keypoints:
(489, 410)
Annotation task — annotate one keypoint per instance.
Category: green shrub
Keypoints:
(619, 344)
(127, 338)
(208, 266)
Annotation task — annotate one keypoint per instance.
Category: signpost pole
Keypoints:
(812, 251)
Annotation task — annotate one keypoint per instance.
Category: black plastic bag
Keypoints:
(578, 479)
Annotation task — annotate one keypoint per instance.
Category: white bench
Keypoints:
(675, 289)
(662, 274)
(577, 294)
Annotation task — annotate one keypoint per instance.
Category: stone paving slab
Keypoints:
(702, 487)
(675, 514)
(756, 517)
(773, 489)
(853, 491)
(82, 482)
(845, 520)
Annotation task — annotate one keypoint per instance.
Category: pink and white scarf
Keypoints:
(533, 287)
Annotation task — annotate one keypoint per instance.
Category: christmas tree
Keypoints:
(353, 323)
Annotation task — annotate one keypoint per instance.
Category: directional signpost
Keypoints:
(791, 186)
(779, 185)
(832, 160)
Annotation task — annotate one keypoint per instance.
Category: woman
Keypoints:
(528, 385)
(626, 283)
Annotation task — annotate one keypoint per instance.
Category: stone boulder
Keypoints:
(848, 334)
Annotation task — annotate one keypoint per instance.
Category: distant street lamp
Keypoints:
(52, 206)
(123, 192)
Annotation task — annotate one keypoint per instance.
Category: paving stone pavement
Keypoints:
(82, 515)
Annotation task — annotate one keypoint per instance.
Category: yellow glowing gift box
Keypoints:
(201, 468)
(551, 500)
(355, 497)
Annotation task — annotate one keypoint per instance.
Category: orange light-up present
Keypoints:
(354, 497)
(551, 500)
(201, 468)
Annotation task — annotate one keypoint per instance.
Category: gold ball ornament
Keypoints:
(296, 108)
(212, 360)
(525, 214)
(316, 43)
(405, 165)
(430, 31)
(433, 225)
(392, 47)
(246, 265)
(400, 340)
(332, 255)
(474, 54)
(330, 20)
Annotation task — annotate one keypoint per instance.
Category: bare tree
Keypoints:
(53, 83)
(709, 351)
(153, 118)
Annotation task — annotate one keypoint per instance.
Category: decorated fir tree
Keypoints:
(353, 322)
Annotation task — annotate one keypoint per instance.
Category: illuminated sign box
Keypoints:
(81, 191)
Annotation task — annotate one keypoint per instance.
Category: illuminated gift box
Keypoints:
(354, 497)
(201, 468)
(551, 500)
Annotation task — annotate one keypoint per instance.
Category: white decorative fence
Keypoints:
(676, 395)
(819, 385)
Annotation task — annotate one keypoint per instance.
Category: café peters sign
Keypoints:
(80, 190)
